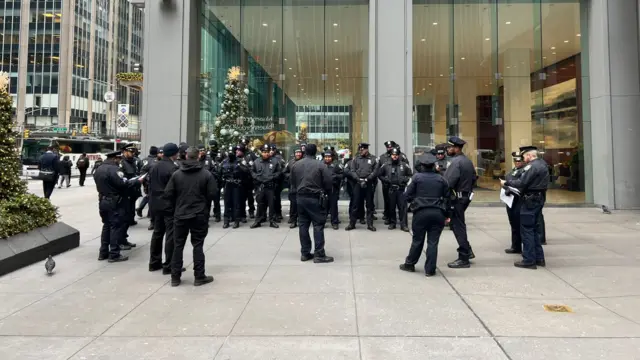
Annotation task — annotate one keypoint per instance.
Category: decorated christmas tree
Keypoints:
(302, 134)
(227, 130)
(19, 211)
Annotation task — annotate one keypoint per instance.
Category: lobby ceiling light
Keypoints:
(578, 35)
(441, 75)
(336, 40)
(553, 48)
(462, 58)
(265, 24)
(335, 24)
(423, 40)
(290, 69)
(336, 59)
(336, 68)
(566, 41)
(423, 89)
(487, 39)
(285, 59)
(508, 23)
(435, 23)
(273, 41)
(429, 84)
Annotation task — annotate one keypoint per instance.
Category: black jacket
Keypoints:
(190, 190)
(64, 167)
(266, 172)
(110, 183)
(397, 174)
(49, 161)
(310, 176)
(428, 190)
(158, 178)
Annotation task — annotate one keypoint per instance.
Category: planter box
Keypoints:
(28, 248)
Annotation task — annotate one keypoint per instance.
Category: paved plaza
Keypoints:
(266, 304)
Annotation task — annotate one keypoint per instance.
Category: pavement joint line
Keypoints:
(355, 298)
(326, 336)
(486, 328)
(286, 235)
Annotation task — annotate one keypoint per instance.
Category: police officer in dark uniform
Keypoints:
(216, 157)
(182, 152)
(129, 167)
(442, 162)
(337, 174)
(460, 176)
(395, 176)
(113, 191)
(147, 163)
(428, 195)
(207, 163)
(513, 212)
(248, 154)
(363, 171)
(277, 203)
(265, 172)
(293, 204)
(312, 181)
(234, 173)
(161, 209)
(385, 158)
(532, 184)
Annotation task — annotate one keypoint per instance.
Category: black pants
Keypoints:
(396, 200)
(429, 222)
(143, 202)
(47, 188)
(513, 213)
(310, 212)
(265, 199)
(333, 205)
(83, 176)
(459, 227)
(385, 200)
(199, 228)
(233, 202)
(540, 222)
(277, 199)
(293, 207)
(114, 227)
(162, 228)
(216, 203)
(532, 250)
(363, 196)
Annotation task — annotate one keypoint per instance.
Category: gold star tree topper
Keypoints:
(234, 73)
(4, 81)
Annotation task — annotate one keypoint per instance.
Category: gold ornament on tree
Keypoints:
(302, 134)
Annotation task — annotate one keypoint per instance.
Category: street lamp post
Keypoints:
(109, 97)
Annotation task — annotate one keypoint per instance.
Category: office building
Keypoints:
(559, 74)
(63, 56)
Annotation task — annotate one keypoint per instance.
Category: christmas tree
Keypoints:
(227, 130)
(302, 135)
(19, 211)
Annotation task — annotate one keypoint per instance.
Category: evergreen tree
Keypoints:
(227, 130)
(19, 211)
(302, 135)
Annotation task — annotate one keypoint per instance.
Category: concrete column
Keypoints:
(468, 111)
(110, 124)
(23, 60)
(517, 101)
(614, 73)
(440, 114)
(66, 62)
(390, 78)
(171, 94)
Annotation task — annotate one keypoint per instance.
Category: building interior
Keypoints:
(498, 74)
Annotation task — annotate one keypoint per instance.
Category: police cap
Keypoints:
(265, 148)
(363, 145)
(456, 141)
(114, 154)
(153, 150)
(525, 149)
(428, 160)
(161, 150)
(170, 149)
(200, 147)
(273, 147)
(128, 147)
(390, 143)
(395, 151)
(240, 147)
(328, 153)
(213, 143)
(433, 151)
(297, 149)
(516, 156)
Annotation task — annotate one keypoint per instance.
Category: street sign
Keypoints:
(109, 96)
(59, 129)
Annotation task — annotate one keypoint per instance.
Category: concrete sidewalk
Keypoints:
(266, 304)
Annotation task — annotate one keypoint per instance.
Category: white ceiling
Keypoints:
(305, 41)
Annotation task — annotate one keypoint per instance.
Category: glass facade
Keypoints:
(305, 63)
(503, 74)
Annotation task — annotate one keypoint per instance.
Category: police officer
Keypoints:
(147, 163)
(532, 184)
(395, 176)
(190, 192)
(248, 154)
(312, 181)
(428, 195)
(275, 155)
(460, 176)
(363, 171)
(216, 157)
(293, 205)
(113, 191)
(337, 173)
(161, 209)
(513, 212)
(234, 174)
(442, 162)
(265, 172)
(207, 163)
(129, 168)
(182, 152)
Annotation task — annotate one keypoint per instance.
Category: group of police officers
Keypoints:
(181, 183)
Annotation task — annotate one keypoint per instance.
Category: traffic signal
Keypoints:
(85, 129)
(26, 133)
(73, 133)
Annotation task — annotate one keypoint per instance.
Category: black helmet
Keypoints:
(265, 148)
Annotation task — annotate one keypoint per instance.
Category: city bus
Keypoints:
(33, 148)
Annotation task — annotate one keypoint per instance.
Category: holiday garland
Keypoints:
(19, 211)
(229, 121)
